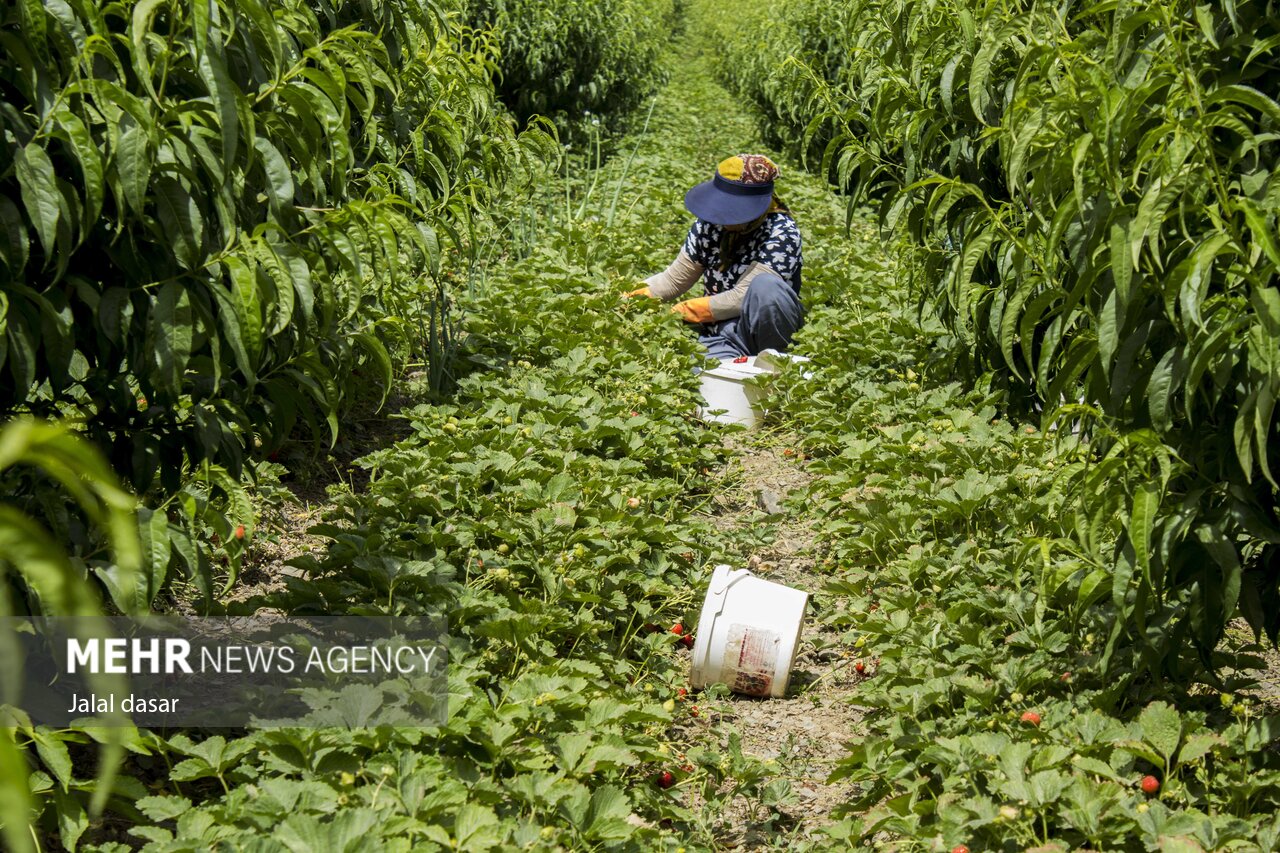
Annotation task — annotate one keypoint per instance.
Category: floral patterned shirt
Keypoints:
(774, 243)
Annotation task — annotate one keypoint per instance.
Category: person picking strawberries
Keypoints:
(745, 248)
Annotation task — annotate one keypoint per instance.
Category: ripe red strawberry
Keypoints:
(666, 779)
(693, 710)
(1031, 717)
(687, 641)
(860, 667)
(1150, 784)
(239, 534)
(681, 692)
(960, 848)
(678, 629)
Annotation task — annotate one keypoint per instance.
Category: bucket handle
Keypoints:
(720, 589)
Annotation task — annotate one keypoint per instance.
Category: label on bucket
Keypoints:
(750, 658)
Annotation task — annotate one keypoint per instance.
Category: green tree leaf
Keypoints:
(39, 194)
(172, 333)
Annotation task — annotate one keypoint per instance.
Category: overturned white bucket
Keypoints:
(748, 633)
(732, 391)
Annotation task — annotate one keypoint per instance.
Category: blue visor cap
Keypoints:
(721, 201)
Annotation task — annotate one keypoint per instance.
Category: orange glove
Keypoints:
(695, 310)
(644, 291)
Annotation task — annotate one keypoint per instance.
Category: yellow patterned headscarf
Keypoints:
(753, 169)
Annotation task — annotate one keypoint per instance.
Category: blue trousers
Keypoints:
(771, 315)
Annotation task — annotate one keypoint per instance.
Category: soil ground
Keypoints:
(805, 731)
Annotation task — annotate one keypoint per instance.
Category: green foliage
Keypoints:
(220, 220)
(1090, 198)
(939, 523)
(775, 62)
(554, 507)
(55, 584)
(965, 569)
(565, 59)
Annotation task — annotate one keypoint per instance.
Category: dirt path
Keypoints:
(763, 488)
(804, 732)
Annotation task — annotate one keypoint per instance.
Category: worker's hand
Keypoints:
(695, 310)
(643, 291)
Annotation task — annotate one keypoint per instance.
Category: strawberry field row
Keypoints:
(551, 505)
(537, 510)
(1021, 583)
(993, 723)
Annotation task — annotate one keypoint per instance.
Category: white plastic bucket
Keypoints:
(729, 387)
(748, 633)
